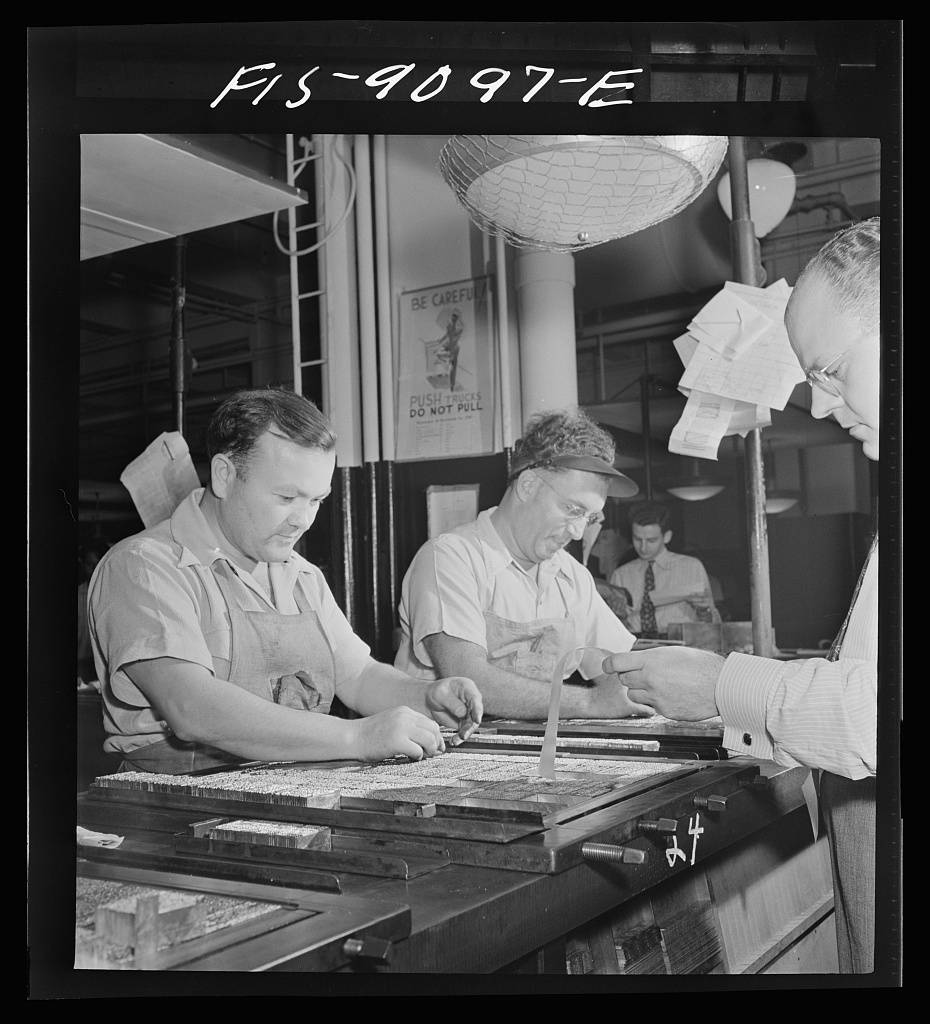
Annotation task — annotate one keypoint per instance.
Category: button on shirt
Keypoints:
(154, 595)
(810, 712)
(672, 571)
(457, 577)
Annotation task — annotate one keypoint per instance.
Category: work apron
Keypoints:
(286, 659)
(533, 648)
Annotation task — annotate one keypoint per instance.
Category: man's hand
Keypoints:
(678, 682)
(394, 732)
(455, 702)
(610, 699)
(700, 599)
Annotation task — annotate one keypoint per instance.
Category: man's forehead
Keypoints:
(647, 531)
(583, 485)
(274, 448)
(815, 325)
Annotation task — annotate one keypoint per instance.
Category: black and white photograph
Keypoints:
(454, 507)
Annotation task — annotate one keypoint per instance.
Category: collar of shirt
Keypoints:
(497, 555)
(662, 561)
(201, 546)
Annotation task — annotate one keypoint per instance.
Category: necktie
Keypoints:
(838, 642)
(647, 613)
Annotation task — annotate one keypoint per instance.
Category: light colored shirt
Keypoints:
(457, 577)
(811, 712)
(671, 571)
(154, 595)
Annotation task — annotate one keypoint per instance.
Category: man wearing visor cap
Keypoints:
(499, 600)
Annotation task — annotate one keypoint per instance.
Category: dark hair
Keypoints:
(245, 416)
(550, 434)
(647, 513)
(849, 263)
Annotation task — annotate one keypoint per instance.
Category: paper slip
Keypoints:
(703, 423)
(746, 416)
(160, 478)
(729, 324)
(764, 374)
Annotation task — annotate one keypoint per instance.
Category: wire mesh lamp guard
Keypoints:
(559, 193)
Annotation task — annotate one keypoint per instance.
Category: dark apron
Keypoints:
(848, 808)
(285, 659)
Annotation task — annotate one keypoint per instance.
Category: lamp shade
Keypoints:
(559, 193)
(772, 185)
(697, 484)
(696, 492)
(779, 501)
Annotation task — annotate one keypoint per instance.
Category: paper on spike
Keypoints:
(160, 478)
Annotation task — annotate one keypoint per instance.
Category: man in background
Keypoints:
(665, 586)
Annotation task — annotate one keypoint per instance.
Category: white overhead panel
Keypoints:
(146, 188)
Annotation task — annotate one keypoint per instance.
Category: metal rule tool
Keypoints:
(546, 768)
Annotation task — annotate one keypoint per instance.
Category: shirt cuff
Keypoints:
(742, 695)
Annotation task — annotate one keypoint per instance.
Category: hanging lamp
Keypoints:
(561, 193)
(697, 486)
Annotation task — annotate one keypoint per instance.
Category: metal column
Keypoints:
(177, 355)
(744, 249)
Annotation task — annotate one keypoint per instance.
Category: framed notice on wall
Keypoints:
(445, 402)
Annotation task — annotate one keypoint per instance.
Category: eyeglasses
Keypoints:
(574, 512)
(821, 379)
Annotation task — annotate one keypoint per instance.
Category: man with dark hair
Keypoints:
(818, 712)
(213, 639)
(498, 600)
(665, 586)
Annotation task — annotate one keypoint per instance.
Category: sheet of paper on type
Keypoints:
(160, 478)
(738, 367)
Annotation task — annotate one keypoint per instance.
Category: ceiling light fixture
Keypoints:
(559, 193)
(772, 186)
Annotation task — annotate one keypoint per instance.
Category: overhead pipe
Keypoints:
(367, 323)
(744, 249)
(385, 358)
(176, 353)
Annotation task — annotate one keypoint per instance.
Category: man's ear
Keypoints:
(222, 475)
(526, 485)
(667, 537)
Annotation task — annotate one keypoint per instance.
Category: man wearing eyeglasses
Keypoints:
(502, 600)
(818, 712)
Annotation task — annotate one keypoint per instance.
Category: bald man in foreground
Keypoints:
(819, 712)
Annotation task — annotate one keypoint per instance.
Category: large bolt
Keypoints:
(606, 853)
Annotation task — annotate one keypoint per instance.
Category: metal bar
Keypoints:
(176, 345)
(372, 478)
(645, 383)
(602, 378)
(319, 195)
(503, 345)
(292, 268)
(385, 356)
(744, 249)
(348, 561)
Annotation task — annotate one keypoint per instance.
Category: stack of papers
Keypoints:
(738, 367)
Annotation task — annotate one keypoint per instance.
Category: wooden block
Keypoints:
(168, 914)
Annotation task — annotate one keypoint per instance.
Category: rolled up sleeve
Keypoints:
(141, 608)
(442, 595)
